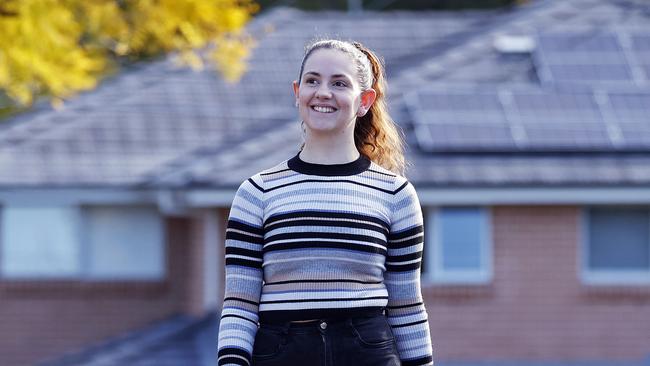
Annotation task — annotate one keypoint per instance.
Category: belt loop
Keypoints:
(285, 327)
(349, 322)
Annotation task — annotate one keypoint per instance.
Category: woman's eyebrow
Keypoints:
(335, 76)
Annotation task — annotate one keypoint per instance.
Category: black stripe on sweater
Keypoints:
(407, 243)
(238, 225)
(378, 172)
(323, 281)
(230, 235)
(400, 188)
(228, 351)
(406, 233)
(324, 244)
(418, 361)
(409, 324)
(329, 223)
(330, 181)
(244, 252)
(324, 235)
(326, 214)
(404, 306)
(276, 172)
(230, 360)
(232, 298)
(402, 267)
(238, 316)
(324, 299)
(243, 262)
(404, 258)
(255, 185)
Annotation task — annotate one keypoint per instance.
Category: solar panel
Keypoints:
(632, 112)
(646, 70)
(567, 136)
(461, 120)
(576, 42)
(590, 57)
(469, 101)
(550, 101)
(635, 105)
(640, 42)
(467, 136)
(619, 72)
(561, 120)
(532, 119)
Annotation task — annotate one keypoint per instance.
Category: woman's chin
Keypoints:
(322, 127)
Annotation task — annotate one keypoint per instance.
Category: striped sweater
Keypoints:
(308, 241)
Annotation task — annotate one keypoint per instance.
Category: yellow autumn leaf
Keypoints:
(60, 47)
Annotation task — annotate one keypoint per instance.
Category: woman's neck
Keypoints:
(329, 152)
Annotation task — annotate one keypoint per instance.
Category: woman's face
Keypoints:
(329, 96)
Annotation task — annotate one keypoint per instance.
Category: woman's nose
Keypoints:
(323, 91)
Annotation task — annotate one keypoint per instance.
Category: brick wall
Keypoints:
(40, 320)
(536, 308)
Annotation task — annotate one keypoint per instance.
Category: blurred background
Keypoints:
(127, 126)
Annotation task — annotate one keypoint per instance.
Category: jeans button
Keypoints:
(323, 325)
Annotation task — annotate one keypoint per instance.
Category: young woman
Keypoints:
(323, 250)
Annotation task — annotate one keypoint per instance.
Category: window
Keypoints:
(116, 242)
(458, 245)
(40, 242)
(616, 245)
(124, 242)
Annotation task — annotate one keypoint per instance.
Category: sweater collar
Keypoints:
(361, 164)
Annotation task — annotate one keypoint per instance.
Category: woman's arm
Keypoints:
(244, 241)
(406, 312)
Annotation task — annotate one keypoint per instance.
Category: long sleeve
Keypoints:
(244, 241)
(406, 312)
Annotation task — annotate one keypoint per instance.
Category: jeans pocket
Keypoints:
(268, 344)
(373, 332)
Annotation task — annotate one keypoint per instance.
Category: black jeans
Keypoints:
(359, 341)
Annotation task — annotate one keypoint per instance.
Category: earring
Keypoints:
(296, 104)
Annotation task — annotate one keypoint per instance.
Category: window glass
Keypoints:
(461, 235)
(619, 238)
(125, 242)
(40, 242)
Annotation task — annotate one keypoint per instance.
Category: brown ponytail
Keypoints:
(375, 134)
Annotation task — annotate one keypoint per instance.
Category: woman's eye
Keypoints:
(310, 81)
(340, 84)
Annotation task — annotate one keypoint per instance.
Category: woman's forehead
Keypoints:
(327, 62)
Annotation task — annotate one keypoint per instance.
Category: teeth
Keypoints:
(324, 109)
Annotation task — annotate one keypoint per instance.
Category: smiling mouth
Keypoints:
(323, 109)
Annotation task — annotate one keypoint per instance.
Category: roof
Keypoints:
(153, 119)
(178, 340)
(159, 126)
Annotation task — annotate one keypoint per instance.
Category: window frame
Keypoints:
(591, 276)
(436, 273)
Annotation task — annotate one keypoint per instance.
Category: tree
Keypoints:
(60, 47)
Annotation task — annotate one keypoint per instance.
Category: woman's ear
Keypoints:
(296, 88)
(367, 98)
